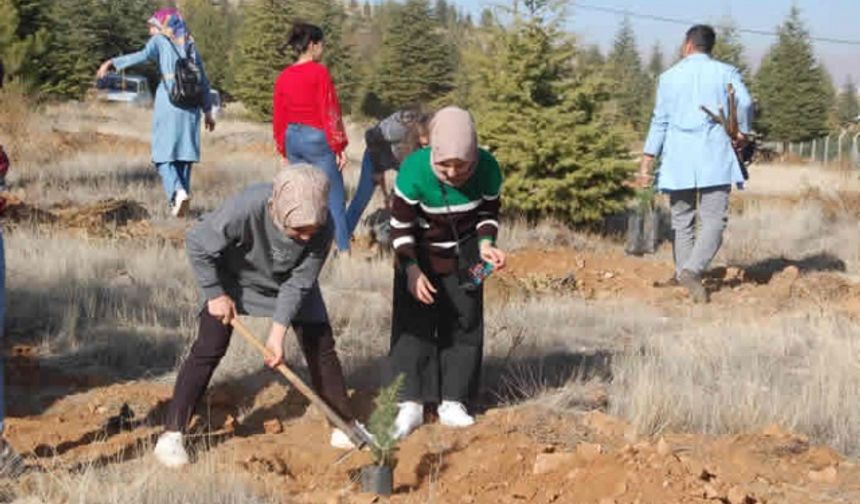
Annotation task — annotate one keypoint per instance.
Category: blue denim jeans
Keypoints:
(175, 175)
(363, 193)
(2, 330)
(306, 144)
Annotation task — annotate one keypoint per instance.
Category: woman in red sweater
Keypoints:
(307, 122)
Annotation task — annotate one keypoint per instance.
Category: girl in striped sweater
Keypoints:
(444, 220)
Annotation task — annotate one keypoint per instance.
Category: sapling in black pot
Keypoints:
(643, 224)
(378, 477)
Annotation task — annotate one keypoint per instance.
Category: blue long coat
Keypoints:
(175, 131)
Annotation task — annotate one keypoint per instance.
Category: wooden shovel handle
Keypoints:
(357, 438)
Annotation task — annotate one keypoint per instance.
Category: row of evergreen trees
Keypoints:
(561, 117)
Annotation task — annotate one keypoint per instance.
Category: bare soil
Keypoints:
(513, 455)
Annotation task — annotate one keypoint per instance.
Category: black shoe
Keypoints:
(694, 286)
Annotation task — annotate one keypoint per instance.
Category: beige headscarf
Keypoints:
(299, 197)
(453, 136)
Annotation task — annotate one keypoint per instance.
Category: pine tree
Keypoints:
(19, 46)
(214, 30)
(70, 65)
(468, 22)
(32, 16)
(365, 38)
(590, 60)
(381, 422)
(85, 33)
(545, 124)
(488, 20)
(656, 65)
(729, 48)
(120, 27)
(794, 92)
(368, 11)
(262, 53)
(440, 11)
(417, 63)
(651, 75)
(847, 105)
(631, 88)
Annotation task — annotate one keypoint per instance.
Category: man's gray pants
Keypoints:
(695, 251)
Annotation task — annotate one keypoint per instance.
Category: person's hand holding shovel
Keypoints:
(275, 345)
(222, 308)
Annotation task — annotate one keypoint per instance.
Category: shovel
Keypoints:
(358, 438)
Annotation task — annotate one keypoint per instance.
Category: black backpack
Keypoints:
(187, 91)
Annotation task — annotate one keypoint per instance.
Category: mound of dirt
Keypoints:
(96, 216)
(512, 455)
(19, 211)
(110, 218)
(113, 212)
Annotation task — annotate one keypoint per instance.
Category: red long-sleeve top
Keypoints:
(305, 94)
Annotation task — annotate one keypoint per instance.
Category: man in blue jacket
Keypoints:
(699, 164)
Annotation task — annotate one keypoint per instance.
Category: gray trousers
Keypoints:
(695, 251)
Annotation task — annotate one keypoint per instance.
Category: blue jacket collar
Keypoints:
(698, 56)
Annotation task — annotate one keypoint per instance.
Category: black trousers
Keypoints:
(439, 347)
(213, 338)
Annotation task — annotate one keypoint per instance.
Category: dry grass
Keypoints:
(77, 299)
(796, 371)
(790, 179)
(773, 230)
(141, 482)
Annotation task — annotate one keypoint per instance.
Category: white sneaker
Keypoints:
(454, 414)
(341, 441)
(170, 451)
(409, 418)
(181, 202)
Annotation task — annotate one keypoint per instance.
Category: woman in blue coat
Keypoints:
(175, 130)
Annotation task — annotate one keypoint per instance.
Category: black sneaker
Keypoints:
(693, 284)
(11, 464)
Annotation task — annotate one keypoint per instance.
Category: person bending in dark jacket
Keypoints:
(387, 145)
(260, 254)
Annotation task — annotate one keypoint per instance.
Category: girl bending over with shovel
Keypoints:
(260, 254)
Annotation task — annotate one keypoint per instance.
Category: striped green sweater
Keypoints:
(421, 214)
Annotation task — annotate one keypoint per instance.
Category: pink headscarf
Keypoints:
(299, 197)
(453, 136)
(169, 22)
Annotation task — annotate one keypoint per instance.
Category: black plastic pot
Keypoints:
(377, 479)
